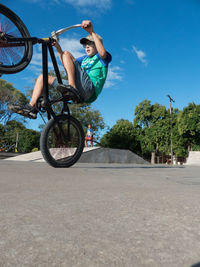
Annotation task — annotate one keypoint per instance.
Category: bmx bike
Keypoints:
(62, 138)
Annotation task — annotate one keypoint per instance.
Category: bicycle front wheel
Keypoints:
(62, 141)
(14, 56)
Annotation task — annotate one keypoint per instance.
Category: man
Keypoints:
(89, 136)
(86, 74)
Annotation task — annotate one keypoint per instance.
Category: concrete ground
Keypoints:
(99, 215)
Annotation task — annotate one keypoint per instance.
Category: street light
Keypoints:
(170, 101)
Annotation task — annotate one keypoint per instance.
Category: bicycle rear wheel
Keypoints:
(14, 56)
(62, 141)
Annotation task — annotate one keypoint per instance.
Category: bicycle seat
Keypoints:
(70, 93)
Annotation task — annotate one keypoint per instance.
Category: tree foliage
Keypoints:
(189, 125)
(153, 124)
(153, 129)
(15, 132)
(28, 140)
(123, 136)
(8, 95)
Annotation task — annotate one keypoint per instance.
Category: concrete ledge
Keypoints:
(110, 155)
(91, 155)
(37, 156)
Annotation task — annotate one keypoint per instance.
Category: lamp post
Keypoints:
(170, 101)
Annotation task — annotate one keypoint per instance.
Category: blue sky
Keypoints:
(155, 47)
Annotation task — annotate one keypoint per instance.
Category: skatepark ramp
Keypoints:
(91, 155)
(110, 155)
(193, 158)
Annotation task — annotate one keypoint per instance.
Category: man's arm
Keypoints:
(59, 50)
(87, 25)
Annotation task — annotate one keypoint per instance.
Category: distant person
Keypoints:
(86, 75)
(89, 136)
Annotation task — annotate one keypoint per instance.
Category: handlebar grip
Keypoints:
(54, 35)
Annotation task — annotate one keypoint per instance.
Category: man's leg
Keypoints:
(29, 110)
(38, 88)
(91, 143)
(68, 62)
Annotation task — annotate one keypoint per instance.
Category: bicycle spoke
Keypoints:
(60, 144)
(7, 26)
(15, 55)
(4, 57)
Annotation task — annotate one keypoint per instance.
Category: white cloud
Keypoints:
(90, 7)
(113, 77)
(80, 4)
(73, 45)
(141, 55)
(37, 58)
(86, 3)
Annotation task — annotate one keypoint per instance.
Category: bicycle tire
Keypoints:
(59, 153)
(13, 59)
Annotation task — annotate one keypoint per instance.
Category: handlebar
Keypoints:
(55, 34)
(5, 38)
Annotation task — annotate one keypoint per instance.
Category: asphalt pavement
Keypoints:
(99, 215)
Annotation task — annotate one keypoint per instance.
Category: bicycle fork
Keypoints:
(61, 133)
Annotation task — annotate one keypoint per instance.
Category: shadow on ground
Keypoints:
(131, 167)
(196, 265)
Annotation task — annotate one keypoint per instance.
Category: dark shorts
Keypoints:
(83, 83)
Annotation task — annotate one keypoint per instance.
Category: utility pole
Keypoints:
(170, 101)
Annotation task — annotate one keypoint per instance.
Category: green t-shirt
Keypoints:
(97, 69)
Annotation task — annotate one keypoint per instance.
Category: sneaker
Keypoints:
(24, 110)
(69, 92)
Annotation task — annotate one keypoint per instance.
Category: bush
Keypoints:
(35, 149)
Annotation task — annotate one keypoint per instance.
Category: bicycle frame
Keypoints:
(46, 46)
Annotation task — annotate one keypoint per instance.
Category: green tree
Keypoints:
(179, 143)
(2, 135)
(28, 139)
(143, 114)
(189, 126)
(123, 136)
(153, 124)
(12, 130)
(8, 95)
